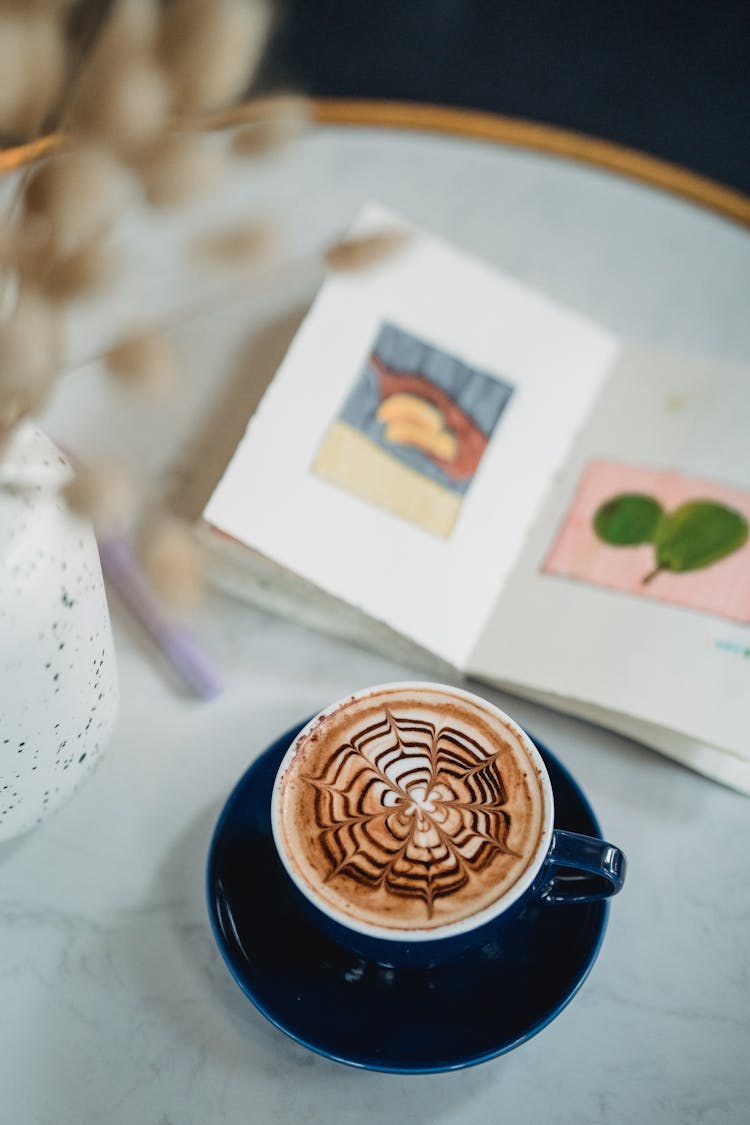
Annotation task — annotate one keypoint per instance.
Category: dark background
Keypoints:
(670, 79)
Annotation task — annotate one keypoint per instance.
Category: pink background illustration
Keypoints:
(722, 589)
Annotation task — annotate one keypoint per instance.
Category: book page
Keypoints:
(633, 592)
(409, 436)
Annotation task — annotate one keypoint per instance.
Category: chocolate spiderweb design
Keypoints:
(411, 809)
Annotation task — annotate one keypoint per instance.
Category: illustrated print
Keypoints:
(413, 430)
(661, 535)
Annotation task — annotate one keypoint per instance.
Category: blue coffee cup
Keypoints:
(564, 867)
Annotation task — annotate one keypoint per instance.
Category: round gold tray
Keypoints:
(492, 127)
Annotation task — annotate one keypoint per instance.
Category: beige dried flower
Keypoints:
(77, 194)
(255, 244)
(145, 359)
(363, 252)
(178, 168)
(9, 241)
(124, 102)
(122, 96)
(104, 494)
(132, 26)
(80, 274)
(281, 120)
(175, 563)
(31, 347)
(25, 248)
(211, 49)
(32, 68)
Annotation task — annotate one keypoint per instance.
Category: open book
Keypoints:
(452, 468)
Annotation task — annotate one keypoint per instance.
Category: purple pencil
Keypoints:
(186, 656)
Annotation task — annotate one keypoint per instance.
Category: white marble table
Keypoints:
(115, 1005)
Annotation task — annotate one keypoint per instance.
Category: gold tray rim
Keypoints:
(479, 125)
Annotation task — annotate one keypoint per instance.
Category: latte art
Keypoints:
(410, 810)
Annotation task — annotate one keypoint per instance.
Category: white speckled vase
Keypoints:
(58, 686)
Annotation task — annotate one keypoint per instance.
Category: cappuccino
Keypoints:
(410, 808)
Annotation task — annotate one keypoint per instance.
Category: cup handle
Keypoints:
(582, 869)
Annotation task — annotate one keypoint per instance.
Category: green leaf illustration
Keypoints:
(697, 534)
(628, 519)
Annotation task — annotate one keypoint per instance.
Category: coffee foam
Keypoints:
(410, 808)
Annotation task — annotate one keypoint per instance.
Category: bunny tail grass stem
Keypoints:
(237, 291)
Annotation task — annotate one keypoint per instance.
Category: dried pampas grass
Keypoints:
(104, 494)
(145, 359)
(10, 242)
(78, 195)
(31, 347)
(211, 48)
(28, 249)
(132, 27)
(124, 102)
(131, 113)
(81, 274)
(178, 169)
(255, 244)
(32, 68)
(364, 252)
(280, 121)
(122, 96)
(175, 563)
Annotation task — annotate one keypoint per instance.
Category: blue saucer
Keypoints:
(405, 1021)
